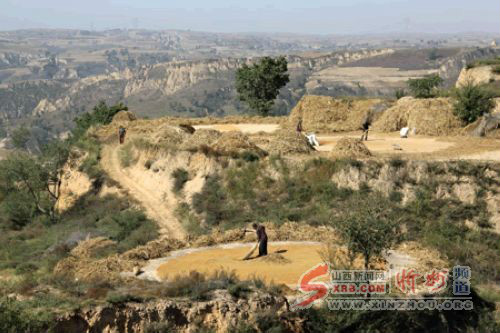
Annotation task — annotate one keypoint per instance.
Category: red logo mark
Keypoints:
(315, 291)
(406, 280)
(436, 280)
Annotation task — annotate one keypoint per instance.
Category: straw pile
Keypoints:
(231, 143)
(153, 250)
(350, 147)
(169, 135)
(326, 114)
(124, 116)
(81, 265)
(275, 258)
(433, 116)
(288, 231)
(283, 142)
(88, 270)
(199, 138)
(91, 247)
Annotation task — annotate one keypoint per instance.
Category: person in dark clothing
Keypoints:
(365, 127)
(121, 134)
(261, 238)
(299, 126)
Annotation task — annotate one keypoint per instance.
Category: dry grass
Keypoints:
(433, 116)
(327, 114)
(350, 147)
(124, 116)
(200, 138)
(231, 143)
(284, 142)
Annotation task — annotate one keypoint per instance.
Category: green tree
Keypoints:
(102, 114)
(20, 137)
(471, 102)
(30, 184)
(369, 228)
(424, 87)
(259, 84)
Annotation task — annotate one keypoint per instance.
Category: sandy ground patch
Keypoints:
(386, 143)
(301, 257)
(489, 155)
(245, 128)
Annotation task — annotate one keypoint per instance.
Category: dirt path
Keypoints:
(157, 209)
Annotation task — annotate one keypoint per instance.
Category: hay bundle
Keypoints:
(199, 138)
(433, 116)
(91, 247)
(124, 116)
(169, 135)
(350, 147)
(153, 250)
(231, 143)
(321, 113)
(107, 269)
(287, 141)
(275, 258)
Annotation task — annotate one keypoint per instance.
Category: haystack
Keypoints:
(199, 138)
(350, 147)
(283, 142)
(103, 270)
(327, 114)
(169, 135)
(433, 116)
(288, 141)
(81, 262)
(91, 247)
(230, 143)
(153, 250)
(124, 116)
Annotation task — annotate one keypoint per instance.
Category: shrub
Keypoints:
(400, 93)
(496, 69)
(249, 156)
(397, 163)
(16, 317)
(180, 176)
(424, 87)
(239, 290)
(471, 102)
(198, 286)
(102, 114)
(117, 298)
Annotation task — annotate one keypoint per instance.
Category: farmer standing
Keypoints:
(261, 240)
(299, 126)
(121, 134)
(366, 128)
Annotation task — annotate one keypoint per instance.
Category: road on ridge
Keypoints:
(156, 208)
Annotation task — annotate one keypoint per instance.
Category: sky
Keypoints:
(289, 16)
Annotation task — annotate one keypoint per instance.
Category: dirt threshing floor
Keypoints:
(388, 144)
(294, 260)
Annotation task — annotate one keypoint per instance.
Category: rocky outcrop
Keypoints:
(451, 68)
(469, 183)
(477, 75)
(218, 314)
(166, 79)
